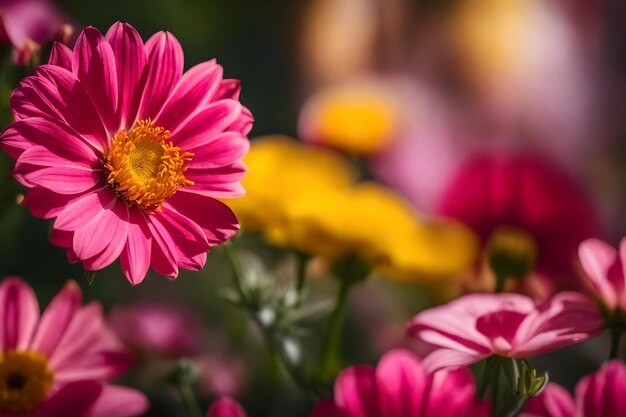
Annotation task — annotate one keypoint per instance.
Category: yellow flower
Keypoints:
(360, 118)
(306, 199)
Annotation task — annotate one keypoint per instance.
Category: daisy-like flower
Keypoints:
(477, 326)
(57, 364)
(129, 154)
(399, 386)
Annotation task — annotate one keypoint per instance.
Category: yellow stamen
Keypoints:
(144, 167)
(25, 380)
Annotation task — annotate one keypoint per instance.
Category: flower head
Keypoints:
(604, 268)
(524, 198)
(129, 154)
(477, 326)
(316, 206)
(48, 361)
(602, 393)
(399, 386)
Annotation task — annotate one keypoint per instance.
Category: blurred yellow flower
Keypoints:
(306, 198)
(359, 118)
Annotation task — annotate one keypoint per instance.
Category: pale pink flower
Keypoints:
(477, 326)
(553, 401)
(604, 267)
(602, 394)
(157, 328)
(128, 154)
(226, 407)
(28, 24)
(57, 364)
(399, 386)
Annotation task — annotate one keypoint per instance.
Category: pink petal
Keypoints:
(226, 407)
(553, 401)
(224, 150)
(82, 211)
(117, 401)
(164, 259)
(63, 180)
(135, 258)
(193, 90)
(36, 21)
(74, 399)
(56, 319)
(56, 94)
(602, 394)
(94, 61)
(214, 217)
(223, 182)
(19, 313)
(131, 60)
(203, 127)
(243, 124)
(97, 366)
(401, 383)
(165, 68)
(61, 56)
(597, 258)
(452, 394)
(107, 230)
(228, 89)
(47, 204)
(356, 392)
(37, 157)
(450, 359)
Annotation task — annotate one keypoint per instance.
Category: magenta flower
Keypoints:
(526, 193)
(602, 394)
(477, 326)
(399, 386)
(553, 401)
(226, 407)
(57, 364)
(604, 267)
(157, 328)
(128, 154)
(28, 24)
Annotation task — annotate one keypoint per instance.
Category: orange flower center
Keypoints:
(144, 167)
(25, 380)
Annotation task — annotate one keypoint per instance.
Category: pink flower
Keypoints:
(28, 24)
(477, 326)
(57, 364)
(157, 328)
(604, 267)
(226, 407)
(526, 193)
(128, 154)
(553, 401)
(602, 394)
(399, 386)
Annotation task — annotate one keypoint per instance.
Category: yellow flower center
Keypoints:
(144, 167)
(25, 380)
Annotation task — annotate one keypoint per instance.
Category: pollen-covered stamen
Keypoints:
(25, 380)
(144, 167)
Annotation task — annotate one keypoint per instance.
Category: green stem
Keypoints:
(188, 398)
(330, 356)
(616, 338)
(500, 281)
(302, 260)
(235, 266)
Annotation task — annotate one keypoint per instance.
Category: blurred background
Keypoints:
(485, 113)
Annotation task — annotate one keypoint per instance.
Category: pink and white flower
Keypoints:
(477, 326)
(226, 407)
(604, 268)
(399, 386)
(58, 364)
(128, 154)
